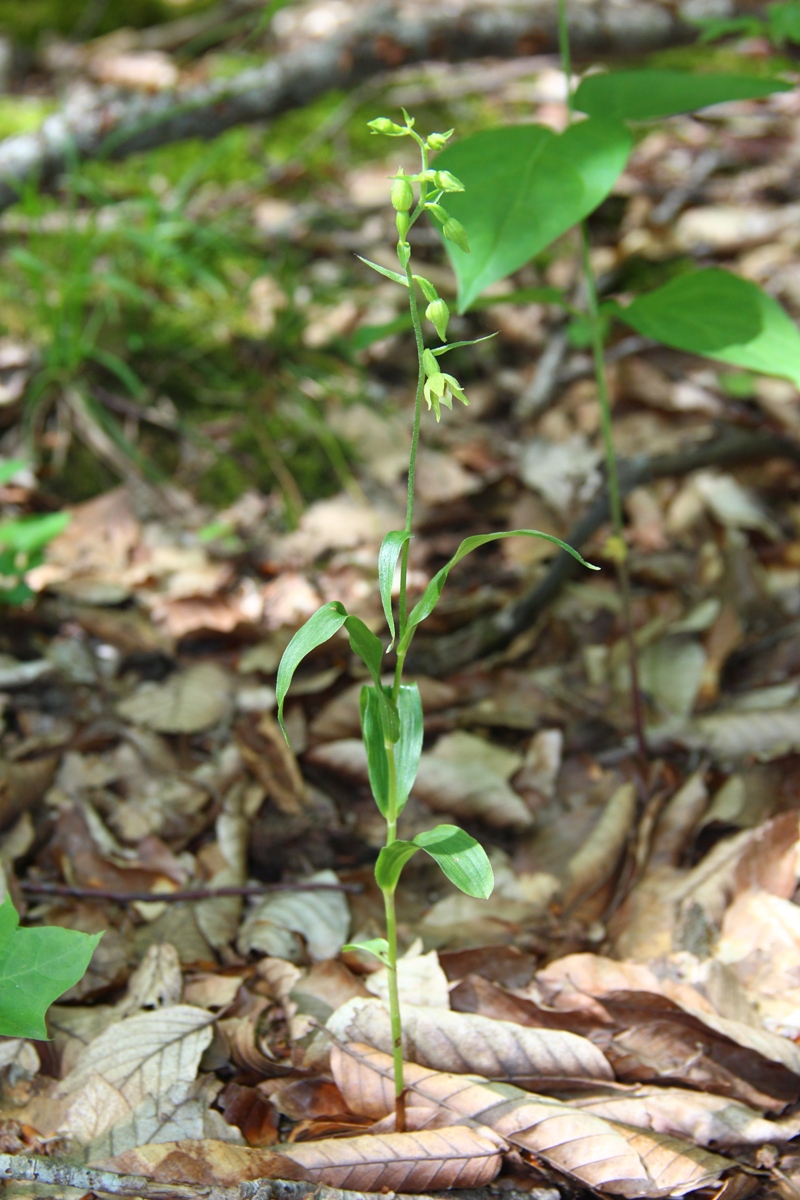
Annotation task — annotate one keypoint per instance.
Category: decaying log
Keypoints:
(324, 46)
(731, 447)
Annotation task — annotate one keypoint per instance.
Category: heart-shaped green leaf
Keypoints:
(652, 94)
(524, 187)
(722, 316)
(36, 967)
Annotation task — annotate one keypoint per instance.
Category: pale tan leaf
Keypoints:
(598, 1153)
(735, 735)
(466, 1042)
(147, 1055)
(467, 788)
(420, 980)
(156, 983)
(713, 1121)
(187, 702)
(454, 1156)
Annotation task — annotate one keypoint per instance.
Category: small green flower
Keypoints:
(454, 231)
(402, 194)
(440, 388)
(388, 128)
(438, 314)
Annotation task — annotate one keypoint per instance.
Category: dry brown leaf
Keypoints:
(735, 735)
(299, 925)
(469, 790)
(712, 1121)
(265, 751)
(455, 1156)
(188, 702)
(598, 856)
(466, 1042)
(598, 1153)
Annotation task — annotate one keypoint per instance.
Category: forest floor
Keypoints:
(636, 974)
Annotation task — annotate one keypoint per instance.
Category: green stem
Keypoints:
(391, 938)
(620, 550)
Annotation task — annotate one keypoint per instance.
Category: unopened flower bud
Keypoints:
(387, 127)
(447, 182)
(455, 232)
(438, 314)
(403, 253)
(402, 195)
(403, 223)
(438, 141)
(428, 290)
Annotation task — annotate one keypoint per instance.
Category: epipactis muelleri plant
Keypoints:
(391, 712)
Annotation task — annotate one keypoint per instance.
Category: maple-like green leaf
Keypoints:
(36, 967)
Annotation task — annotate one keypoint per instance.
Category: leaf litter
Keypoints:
(623, 1014)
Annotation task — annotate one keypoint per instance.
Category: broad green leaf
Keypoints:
(407, 749)
(525, 186)
(461, 858)
(320, 628)
(375, 745)
(529, 295)
(409, 745)
(10, 467)
(395, 276)
(391, 861)
(379, 947)
(36, 967)
(721, 316)
(26, 535)
(651, 94)
(429, 599)
(390, 550)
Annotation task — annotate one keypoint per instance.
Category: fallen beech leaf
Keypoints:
(455, 1156)
(292, 924)
(466, 1042)
(187, 702)
(147, 1055)
(732, 736)
(598, 1153)
(713, 1121)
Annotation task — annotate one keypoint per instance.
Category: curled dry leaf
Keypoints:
(599, 854)
(455, 1156)
(298, 925)
(466, 1042)
(601, 1154)
(188, 702)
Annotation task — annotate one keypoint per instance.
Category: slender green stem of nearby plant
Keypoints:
(617, 545)
(391, 938)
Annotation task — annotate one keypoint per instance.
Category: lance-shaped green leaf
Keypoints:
(429, 599)
(375, 745)
(439, 350)
(460, 857)
(395, 276)
(320, 628)
(391, 548)
(407, 748)
(651, 94)
(722, 316)
(36, 967)
(525, 186)
(379, 947)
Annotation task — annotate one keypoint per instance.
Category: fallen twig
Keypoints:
(733, 446)
(34, 888)
(375, 40)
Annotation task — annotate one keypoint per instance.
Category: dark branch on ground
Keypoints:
(379, 38)
(34, 888)
(732, 447)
